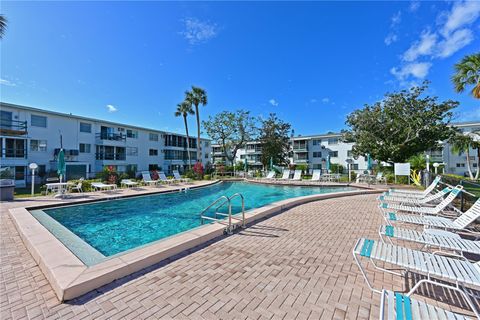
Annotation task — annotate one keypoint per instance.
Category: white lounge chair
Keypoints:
(163, 178)
(396, 306)
(380, 178)
(98, 186)
(77, 187)
(416, 193)
(147, 179)
(128, 183)
(432, 238)
(458, 273)
(460, 223)
(316, 175)
(297, 175)
(270, 175)
(285, 175)
(177, 176)
(416, 201)
(423, 210)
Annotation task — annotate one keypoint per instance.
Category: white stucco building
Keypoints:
(34, 135)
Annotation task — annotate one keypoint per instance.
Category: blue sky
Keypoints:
(310, 62)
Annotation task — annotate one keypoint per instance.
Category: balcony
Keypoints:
(13, 127)
(110, 156)
(300, 149)
(111, 136)
(14, 153)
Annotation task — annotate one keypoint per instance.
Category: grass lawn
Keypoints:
(27, 192)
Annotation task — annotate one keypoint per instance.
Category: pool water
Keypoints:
(115, 226)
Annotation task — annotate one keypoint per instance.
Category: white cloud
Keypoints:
(414, 5)
(417, 69)
(390, 38)
(325, 100)
(396, 19)
(6, 82)
(273, 102)
(197, 31)
(454, 42)
(313, 100)
(422, 47)
(463, 13)
(111, 108)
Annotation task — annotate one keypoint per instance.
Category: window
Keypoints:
(333, 154)
(131, 168)
(206, 155)
(317, 154)
(38, 145)
(20, 173)
(132, 151)
(332, 140)
(85, 127)
(242, 156)
(38, 121)
(153, 137)
(207, 144)
(84, 147)
(460, 165)
(153, 152)
(474, 164)
(152, 167)
(355, 166)
(317, 142)
(349, 153)
(132, 134)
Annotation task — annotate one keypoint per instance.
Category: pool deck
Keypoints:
(294, 265)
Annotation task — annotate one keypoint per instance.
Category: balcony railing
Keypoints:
(111, 136)
(110, 156)
(13, 127)
(14, 153)
(300, 149)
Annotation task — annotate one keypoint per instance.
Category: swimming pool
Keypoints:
(115, 226)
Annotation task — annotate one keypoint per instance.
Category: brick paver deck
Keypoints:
(295, 265)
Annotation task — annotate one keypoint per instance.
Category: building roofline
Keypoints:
(18, 106)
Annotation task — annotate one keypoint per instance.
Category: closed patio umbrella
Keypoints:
(327, 164)
(271, 163)
(61, 165)
(245, 168)
(369, 162)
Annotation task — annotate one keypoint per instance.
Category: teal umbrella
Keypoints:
(61, 165)
(245, 168)
(327, 165)
(369, 162)
(271, 163)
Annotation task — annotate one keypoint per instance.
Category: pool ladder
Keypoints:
(221, 202)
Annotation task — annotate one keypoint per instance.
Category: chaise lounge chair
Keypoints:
(285, 175)
(397, 306)
(457, 273)
(98, 186)
(163, 178)
(415, 193)
(177, 176)
(423, 210)
(147, 179)
(297, 175)
(431, 237)
(460, 223)
(316, 175)
(270, 175)
(128, 183)
(416, 201)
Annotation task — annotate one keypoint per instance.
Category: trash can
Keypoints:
(7, 186)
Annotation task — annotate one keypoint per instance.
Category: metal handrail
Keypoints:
(243, 207)
(211, 205)
(229, 215)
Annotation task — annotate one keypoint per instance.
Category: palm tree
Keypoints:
(184, 109)
(468, 73)
(197, 96)
(462, 143)
(3, 25)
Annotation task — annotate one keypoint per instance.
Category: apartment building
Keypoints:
(34, 135)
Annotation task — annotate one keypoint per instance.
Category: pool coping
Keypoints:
(71, 278)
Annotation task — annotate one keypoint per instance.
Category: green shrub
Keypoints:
(190, 174)
(354, 175)
(207, 177)
(336, 168)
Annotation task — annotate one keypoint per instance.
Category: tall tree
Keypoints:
(184, 109)
(3, 25)
(197, 96)
(462, 142)
(231, 130)
(467, 72)
(402, 125)
(274, 136)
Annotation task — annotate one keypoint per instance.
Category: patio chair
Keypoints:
(416, 193)
(397, 306)
(270, 175)
(128, 183)
(285, 175)
(163, 178)
(416, 201)
(380, 178)
(297, 175)
(432, 238)
(76, 187)
(177, 176)
(423, 209)
(99, 186)
(455, 274)
(316, 175)
(147, 179)
(460, 223)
